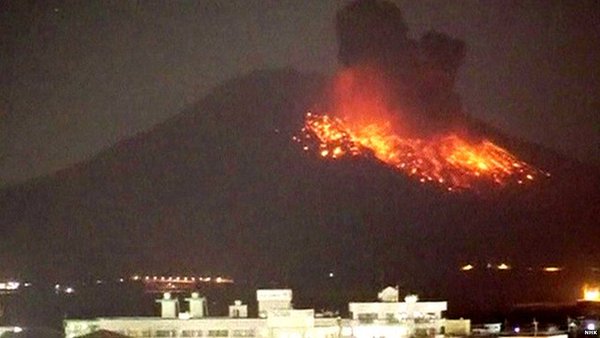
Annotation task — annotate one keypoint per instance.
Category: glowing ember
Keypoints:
(448, 160)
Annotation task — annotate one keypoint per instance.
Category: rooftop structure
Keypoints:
(273, 299)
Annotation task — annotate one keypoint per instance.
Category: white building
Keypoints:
(277, 320)
(397, 319)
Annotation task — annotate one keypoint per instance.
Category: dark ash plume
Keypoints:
(421, 73)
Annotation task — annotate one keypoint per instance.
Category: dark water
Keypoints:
(482, 297)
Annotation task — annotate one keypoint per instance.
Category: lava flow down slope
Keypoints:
(362, 124)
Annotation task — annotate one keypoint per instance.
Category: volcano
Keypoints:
(223, 188)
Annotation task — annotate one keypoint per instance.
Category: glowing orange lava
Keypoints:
(448, 160)
(363, 124)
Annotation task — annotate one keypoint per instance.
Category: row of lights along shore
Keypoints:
(504, 266)
(13, 285)
(184, 279)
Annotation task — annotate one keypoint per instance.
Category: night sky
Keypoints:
(77, 77)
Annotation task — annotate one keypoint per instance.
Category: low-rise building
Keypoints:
(277, 318)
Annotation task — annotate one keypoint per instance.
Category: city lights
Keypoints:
(9, 286)
(591, 294)
(467, 267)
(503, 266)
(551, 269)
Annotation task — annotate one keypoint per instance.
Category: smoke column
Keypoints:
(419, 75)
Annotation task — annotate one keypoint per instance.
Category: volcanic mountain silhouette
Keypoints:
(222, 188)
